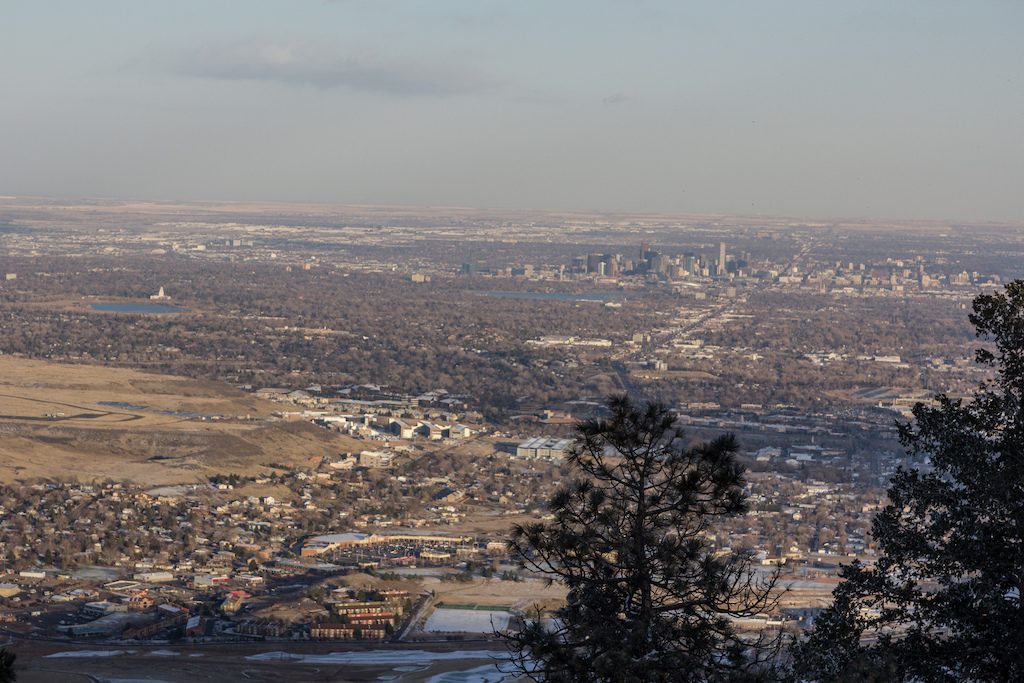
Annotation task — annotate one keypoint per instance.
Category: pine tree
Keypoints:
(649, 599)
(7, 672)
(943, 601)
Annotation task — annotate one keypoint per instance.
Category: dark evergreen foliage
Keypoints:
(943, 601)
(648, 598)
(7, 672)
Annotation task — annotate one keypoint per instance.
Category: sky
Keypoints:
(909, 109)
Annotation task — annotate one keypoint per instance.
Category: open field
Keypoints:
(97, 396)
(521, 595)
(92, 422)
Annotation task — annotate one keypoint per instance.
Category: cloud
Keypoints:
(615, 98)
(323, 65)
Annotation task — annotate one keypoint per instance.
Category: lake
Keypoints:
(120, 404)
(137, 308)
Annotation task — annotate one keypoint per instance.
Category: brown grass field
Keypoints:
(89, 422)
(520, 595)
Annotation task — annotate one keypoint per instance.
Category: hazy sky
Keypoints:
(894, 108)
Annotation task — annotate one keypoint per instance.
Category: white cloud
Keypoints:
(321, 64)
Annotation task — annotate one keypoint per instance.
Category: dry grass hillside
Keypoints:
(89, 422)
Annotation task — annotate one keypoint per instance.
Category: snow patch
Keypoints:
(481, 674)
(445, 620)
(91, 653)
(380, 657)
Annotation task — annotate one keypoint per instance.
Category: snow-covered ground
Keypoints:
(445, 620)
(118, 653)
(405, 661)
(487, 673)
(380, 657)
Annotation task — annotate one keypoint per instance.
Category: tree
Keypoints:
(943, 600)
(7, 672)
(649, 599)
